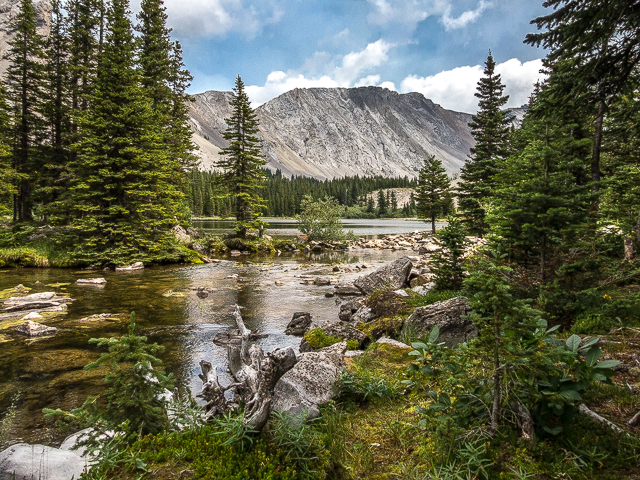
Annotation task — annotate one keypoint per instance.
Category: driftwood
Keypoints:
(633, 421)
(256, 375)
(598, 418)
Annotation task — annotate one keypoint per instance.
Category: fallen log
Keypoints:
(598, 418)
(633, 421)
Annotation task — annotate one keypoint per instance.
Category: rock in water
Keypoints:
(391, 276)
(310, 382)
(299, 324)
(448, 316)
(91, 281)
(347, 289)
(23, 461)
(34, 329)
(128, 268)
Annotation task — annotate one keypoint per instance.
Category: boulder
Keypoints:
(448, 316)
(299, 324)
(309, 383)
(181, 235)
(347, 309)
(423, 289)
(34, 329)
(391, 276)
(347, 289)
(34, 297)
(323, 281)
(26, 462)
(363, 315)
(128, 268)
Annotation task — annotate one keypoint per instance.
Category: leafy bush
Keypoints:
(320, 219)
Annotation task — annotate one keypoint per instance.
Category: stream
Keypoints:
(48, 371)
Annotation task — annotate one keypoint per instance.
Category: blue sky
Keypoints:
(436, 47)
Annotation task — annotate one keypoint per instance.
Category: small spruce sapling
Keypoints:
(135, 401)
(447, 262)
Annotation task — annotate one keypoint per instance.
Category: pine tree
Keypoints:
(490, 129)
(24, 93)
(382, 204)
(432, 193)
(7, 188)
(123, 197)
(241, 162)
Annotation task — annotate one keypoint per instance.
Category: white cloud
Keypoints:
(209, 18)
(347, 74)
(411, 12)
(454, 89)
(465, 18)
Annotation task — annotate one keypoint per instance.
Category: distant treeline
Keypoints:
(282, 195)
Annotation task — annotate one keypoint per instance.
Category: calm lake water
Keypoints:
(360, 227)
(48, 371)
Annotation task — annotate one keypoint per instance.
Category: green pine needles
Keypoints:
(242, 161)
(432, 194)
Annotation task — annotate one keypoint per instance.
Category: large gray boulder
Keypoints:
(391, 276)
(309, 383)
(28, 462)
(447, 315)
(299, 324)
(347, 309)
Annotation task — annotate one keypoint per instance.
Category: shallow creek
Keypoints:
(48, 371)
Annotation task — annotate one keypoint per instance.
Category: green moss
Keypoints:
(380, 327)
(416, 301)
(22, 257)
(317, 339)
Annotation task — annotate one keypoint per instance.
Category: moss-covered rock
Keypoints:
(381, 327)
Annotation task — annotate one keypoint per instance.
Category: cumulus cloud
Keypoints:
(209, 18)
(454, 89)
(411, 12)
(338, 72)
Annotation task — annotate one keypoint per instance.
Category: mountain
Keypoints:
(333, 132)
(8, 10)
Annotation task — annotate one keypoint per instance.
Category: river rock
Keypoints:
(423, 289)
(32, 316)
(181, 234)
(91, 281)
(363, 315)
(448, 316)
(323, 281)
(310, 382)
(34, 297)
(299, 324)
(28, 462)
(347, 289)
(35, 329)
(347, 309)
(128, 268)
(31, 306)
(391, 276)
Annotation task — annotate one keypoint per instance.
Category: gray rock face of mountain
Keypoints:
(8, 10)
(332, 132)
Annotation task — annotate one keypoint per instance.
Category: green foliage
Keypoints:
(235, 432)
(320, 219)
(22, 257)
(300, 443)
(432, 194)
(134, 402)
(204, 451)
(448, 260)
(432, 297)
(6, 423)
(490, 128)
(362, 386)
(382, 327)
(242, 161)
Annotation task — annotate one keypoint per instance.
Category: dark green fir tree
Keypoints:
(382, 204)
(242, 161)
(24, 79)
(433, 192)
(490, 129)
(123, 198)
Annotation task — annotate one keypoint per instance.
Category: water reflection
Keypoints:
(48, 372)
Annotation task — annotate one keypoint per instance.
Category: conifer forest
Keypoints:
(500, 341)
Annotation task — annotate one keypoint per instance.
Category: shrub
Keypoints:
(317, 339)
(320, 219)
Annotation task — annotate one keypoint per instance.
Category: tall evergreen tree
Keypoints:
(25, 84)
(432, 193)
(490, 129)
(242, 161)
(382, 203)
(7, 187)
(123, 197)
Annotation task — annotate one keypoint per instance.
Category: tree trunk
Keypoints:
(638, 229)
(433, 223)
(628, 248)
